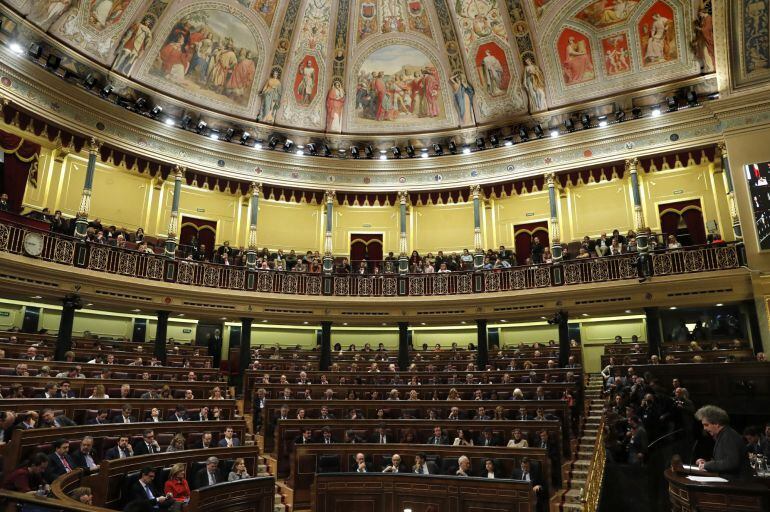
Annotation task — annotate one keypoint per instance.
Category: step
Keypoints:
(572, 496)
(581, 463)
(279, 507)
(577, 483)
(580, 473)
(571, 507)
(278, 497)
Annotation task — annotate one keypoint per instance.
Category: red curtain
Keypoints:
(204, 230)
(365, 246)
(690, 212)
(523, 235)
(20, 167)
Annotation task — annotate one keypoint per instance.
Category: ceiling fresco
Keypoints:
(389, 66)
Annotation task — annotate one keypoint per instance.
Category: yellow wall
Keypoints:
(442, 227)
(14, 318)
(350, 220)
(288, 226)
(176, 328)
(598, 207)
(596, 334)
(460, 335)
(517, 210)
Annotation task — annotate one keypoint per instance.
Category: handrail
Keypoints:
(128, 263)
(591, 493)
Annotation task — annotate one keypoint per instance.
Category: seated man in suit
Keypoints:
(544, 442)
(326, 436)
(85, 457)
(422, 466)
(361, 466)
(325, 415)
(395, 465)
(208, 475)
(380, 436)
(180, 414)
(488, 438)
(464, 468)
(438, 437)
(305, 438)
(229, 440)
(49, 391)
(206, 441)
(101, 418)
(147, 445)
(49, 420)
(142, 491)
(125, 415)
(531, 473)
(490, 470)
(59, 462)
(65, 391)
(120, 451)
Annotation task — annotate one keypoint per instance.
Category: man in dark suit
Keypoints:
(522, 415)
(120, 451)
(147, 445)
(326, 436)
(85, 457)
(730, 458)
(395, 465)
(488, 438)
(100, 418)
(65, 391)
(208, 475)
(59, 462)
(545, 443)
(361, 465)
(49, 420)
(531, 473)
(229, 440)
(142, 491)
(180, 414)
(206, 441)
(490, 470)
(325, 415)
(422, 466)
(380, 436)
(124, 416)
(438, 437)
(305, 438)
(49, 391)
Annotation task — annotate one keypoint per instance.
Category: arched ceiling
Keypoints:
(380, 67)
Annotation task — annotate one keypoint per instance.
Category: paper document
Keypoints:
(706, 479)
(691, 468)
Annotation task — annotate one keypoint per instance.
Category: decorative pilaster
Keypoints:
(478, 255)
(737, 231)
(555, 231)
(251, 252)
(328, 259)
(642, 244)
(81, 222)
(173, 221)
(403, 259)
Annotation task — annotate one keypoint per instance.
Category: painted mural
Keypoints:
(657, 35)
(106, 13)
(266, 9)
(44, 13)
(335, 103)
(479, 19)
(534, 83)
(703, 42)
(306, 81)
(604, 13)
(417, 17)
(492, 68)
(271, 97)
(209, 54)
(616, 54)
(367, 20)
(540, 6)
(577, 63)
(398, 83)
(133, 44)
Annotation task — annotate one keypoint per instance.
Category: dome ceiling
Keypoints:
(381, 67)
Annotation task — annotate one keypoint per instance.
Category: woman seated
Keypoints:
(462, 439)
(177, 443)
(239, 471)
(99, 392)
(177, 485)
(517, 440)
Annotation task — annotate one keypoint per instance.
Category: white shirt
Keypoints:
(490, 475)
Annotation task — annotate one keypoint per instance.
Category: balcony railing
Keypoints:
(124, 262)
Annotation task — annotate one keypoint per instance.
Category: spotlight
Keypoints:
(354, 152)
(106, 91)
(311, 148)
(569, 124)
(245, 136)
(466, 150)
(273, 142)
(438, 150)
(508, 141)
(494, 140)
(300, 151)
(369, 151)
(258, 144)
(35, 51)
(327, 150)
(554, 133)
(603, 121)
(480, 143)
(636, 112)
(383, 154)
(169, 121)
(287, 145)
(52, 62)
(620, 116)
(89, 82)
(396, 152)
(214, 134)
(228, 135)
(424, 153)
(186, 120)
(692, 99)
(16, 48)
(656, 111)
(523, 135)
(410, 150)
(452, 147)
(156, 111)
(585, 120)
(200, 126)
(672, 103)
(538, 131)
(140, 104)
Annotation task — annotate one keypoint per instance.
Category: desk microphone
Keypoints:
(692, 454)
(665, 436)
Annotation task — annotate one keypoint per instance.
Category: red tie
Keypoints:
(65, 464)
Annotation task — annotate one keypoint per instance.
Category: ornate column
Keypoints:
(251, 252)
(328, 259)
(730, 192)
(482, 351)
(326, 346)
(81, 222)
(562, 321)
(70, 304)
(641, 230)
(161, 333)
(403, 258)
(173, 221)
(478, 255)
(555, 233)
(403, 346)
(244, 356)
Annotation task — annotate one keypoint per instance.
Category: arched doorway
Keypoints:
(365, 246)
(684, 220)
(204, 230)
(523, 234)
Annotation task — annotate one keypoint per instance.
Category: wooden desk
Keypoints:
(737, 496)
(377, 492)
(7, 366)
(251, 495)
(306, 457)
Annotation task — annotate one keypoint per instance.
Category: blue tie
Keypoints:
(149, 493)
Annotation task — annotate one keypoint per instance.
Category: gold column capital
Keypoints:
(330, 195)
(632, 164)
(550, 178)
(94, 145)
(256, 188)
(475, 191)
(403, 196)
(722, 146)
(179, 171)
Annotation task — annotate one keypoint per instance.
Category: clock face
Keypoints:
(33, 244)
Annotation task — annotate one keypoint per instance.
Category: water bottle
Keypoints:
(41, 492)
